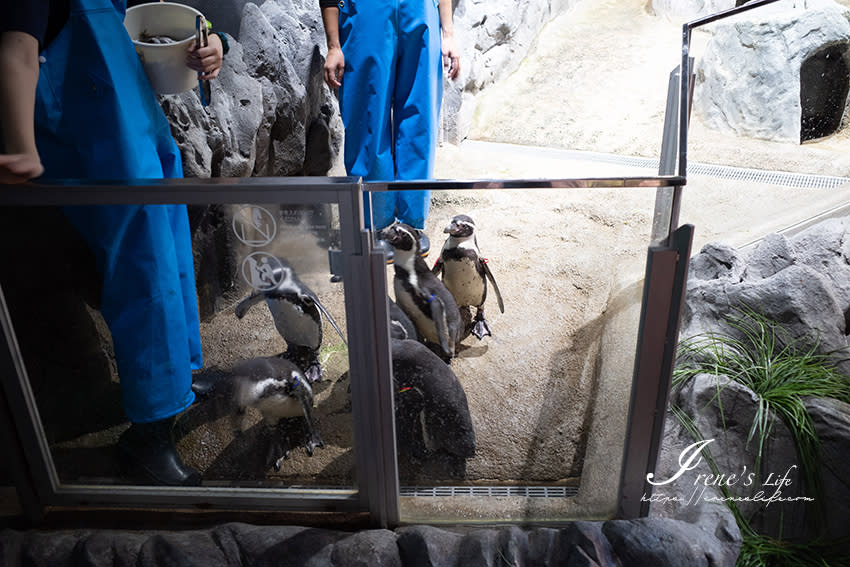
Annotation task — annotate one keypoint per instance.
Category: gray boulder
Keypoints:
(427, 546)
(277, 53)
(801, 282)
(825, 247)
(749, 78)
(663, 542)
(282, 139)
(271, 113)
(769, 492)
(769, 257)
(224, 15)
(798, 281)
(219, 141)
(723, 411)
(832, 424)
(716, 261)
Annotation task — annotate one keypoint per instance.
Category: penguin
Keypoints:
(296, 313)
(466, 273)
(401, 327)
(421, 294)
(278, 389)
(431, 409)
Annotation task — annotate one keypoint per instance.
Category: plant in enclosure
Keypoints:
(782, 371)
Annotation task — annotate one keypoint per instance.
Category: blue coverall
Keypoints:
(97, 118)
(390, 100)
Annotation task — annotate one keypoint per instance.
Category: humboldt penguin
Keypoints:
(421, 294)
(466, 273)
(431, 409)
(296, 313)
(401, 327)
(278, 389)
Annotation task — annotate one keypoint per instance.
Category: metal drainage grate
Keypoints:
(490, 491)
(802, 180)
(783, 178)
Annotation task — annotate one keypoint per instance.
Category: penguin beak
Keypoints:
(449, 229)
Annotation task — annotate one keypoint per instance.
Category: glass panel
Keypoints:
(548, 392)
(278, 255)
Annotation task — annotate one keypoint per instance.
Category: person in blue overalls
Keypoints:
(389, 52)
(71, 65)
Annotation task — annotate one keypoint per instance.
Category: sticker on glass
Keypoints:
(254, 226)
(262, 271)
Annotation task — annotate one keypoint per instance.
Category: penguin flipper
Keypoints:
(314, 438)
(438, 267)
(495, 286)
(244, 305)
(328, 316)
(438, 315)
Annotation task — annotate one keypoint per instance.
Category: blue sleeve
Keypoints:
(29, 16)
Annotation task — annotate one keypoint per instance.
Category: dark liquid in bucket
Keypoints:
(144, 37)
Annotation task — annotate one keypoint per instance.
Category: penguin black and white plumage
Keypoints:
(432, 413)
(401, 327)
(278, 389)
(466, 273)
(296, 312)
(421, 294)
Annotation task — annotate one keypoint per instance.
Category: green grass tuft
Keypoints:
(783, 372)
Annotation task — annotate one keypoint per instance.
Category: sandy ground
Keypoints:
(548, 392)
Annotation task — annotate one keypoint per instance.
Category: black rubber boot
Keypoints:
(386, 248)
(424, 242)
(147, 450)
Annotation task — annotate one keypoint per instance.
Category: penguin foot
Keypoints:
(278, 463)
(276, 452)
(481, 329)
(313, 372)
(313, 443)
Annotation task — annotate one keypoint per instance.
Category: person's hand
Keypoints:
(206, 60)
(19, 168)
(334, 67)
(451, 57)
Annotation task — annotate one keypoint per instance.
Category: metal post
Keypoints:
(661, 221)
(658, 334)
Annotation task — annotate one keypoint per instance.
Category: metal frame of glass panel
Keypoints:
(377, 490)
(20, 405)
(666, 275)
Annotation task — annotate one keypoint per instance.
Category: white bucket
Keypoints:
(164, 64)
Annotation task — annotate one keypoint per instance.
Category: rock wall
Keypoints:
(493, 38)
(272, 114)
(748, 79)
(654, 541)
(801, 282)
(723, 410)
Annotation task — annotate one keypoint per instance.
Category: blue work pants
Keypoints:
(390, 100)
(97, 118)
